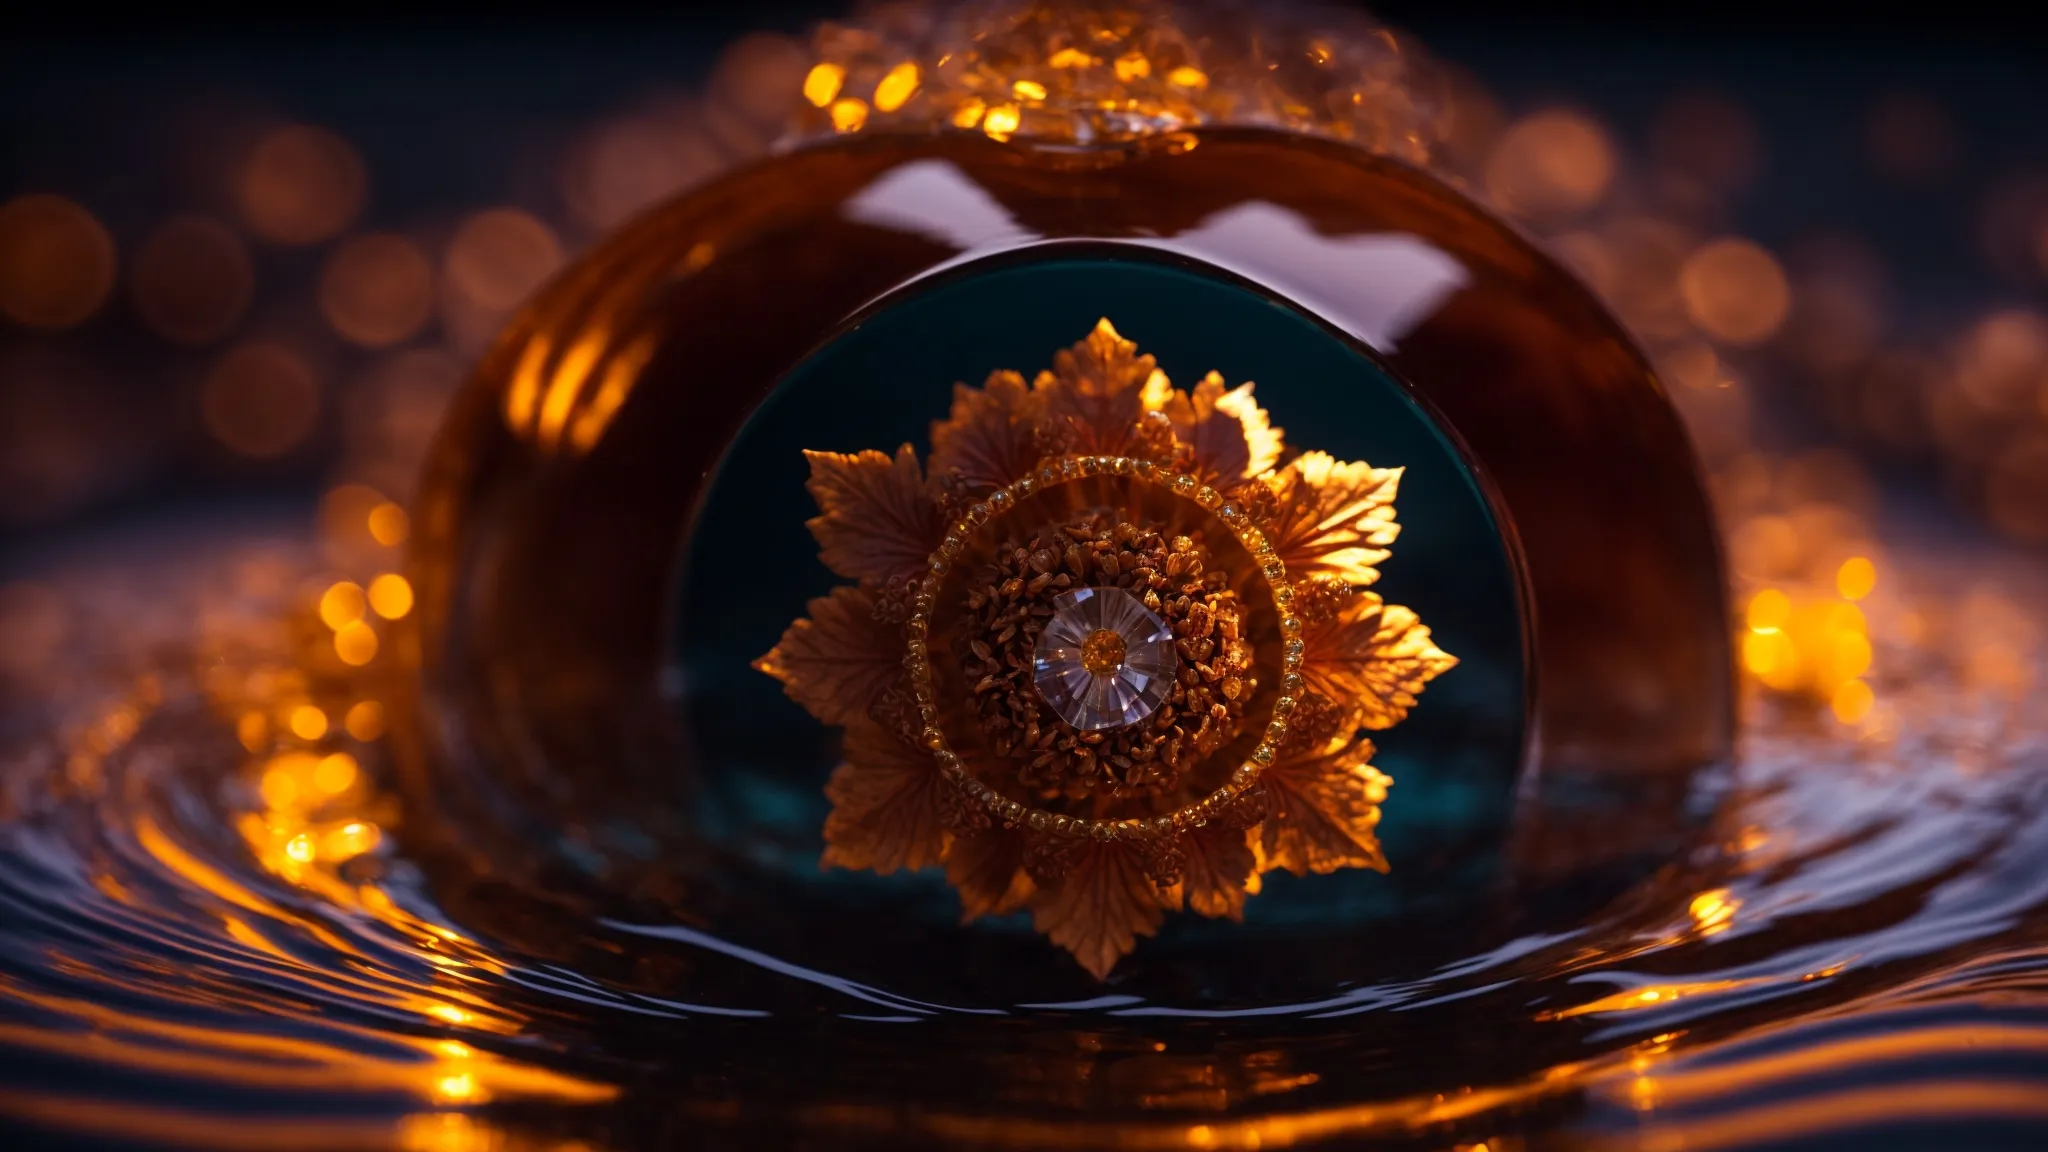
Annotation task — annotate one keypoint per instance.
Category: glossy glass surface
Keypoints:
(574, 466)
(750, 766)
(1103, 660)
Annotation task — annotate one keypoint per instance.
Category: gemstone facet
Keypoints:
(1104, 660)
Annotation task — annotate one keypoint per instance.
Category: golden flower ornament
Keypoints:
(1111, 650)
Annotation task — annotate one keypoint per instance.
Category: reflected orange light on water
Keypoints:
(1714, 911)
(1654, 996)
(1816, 644)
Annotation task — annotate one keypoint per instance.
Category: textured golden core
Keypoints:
(1102, 653)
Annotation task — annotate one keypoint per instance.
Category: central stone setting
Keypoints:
(1102, 653)
(1104, 660)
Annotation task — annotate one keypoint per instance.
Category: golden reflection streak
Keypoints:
(176, 1127)
(1623, 1072)
(1945, 1101)
(619, 378)
(289, 844)
(206, 879)
(1831, 1058)
(270, 842)
(556, 403)
(255, 1058)
(522, 396)
(570, 375)
(1653, 996)
(1405, 1114)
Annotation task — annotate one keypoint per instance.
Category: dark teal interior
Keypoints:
(764, 760)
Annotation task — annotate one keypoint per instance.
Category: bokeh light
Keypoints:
(2012, 231)
(377, 290)
(301, 185)
(364, 720)
(1703, 149)
(499, 256)
(34, 622)
(308, 722)
(1856, 578)
(388, 526)
(1735, 291)
(392, 410)
(1551, 163)
(390, 596)
(355, 643)
(758, 78)
(56, 262)
(342, 604)
(2002, 361)
(1841, 302)
(349, 518)
(68, 434)
(2016, 491)
(631, 164)
(260, 400)
(1910, 138)
(192, 279)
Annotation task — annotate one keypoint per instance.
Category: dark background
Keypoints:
(135, 117)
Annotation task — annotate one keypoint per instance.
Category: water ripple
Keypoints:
(212, 939)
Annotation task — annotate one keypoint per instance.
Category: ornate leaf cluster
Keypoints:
(1332, 523)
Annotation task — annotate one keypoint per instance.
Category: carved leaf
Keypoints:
(1373, 659)
(988, 869)
(990, 438)
(1098, 390)
(877, 518)
(885, 805)
(1229, 433)
(1102, 905)
(1219, 871)
(1325, 806)
(1333, 518)
(840, 660)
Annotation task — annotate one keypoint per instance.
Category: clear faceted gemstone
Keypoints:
(1104, 660)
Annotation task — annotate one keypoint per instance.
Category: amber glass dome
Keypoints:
(609, 535)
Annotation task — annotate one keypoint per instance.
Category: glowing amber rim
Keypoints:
(919, 669)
